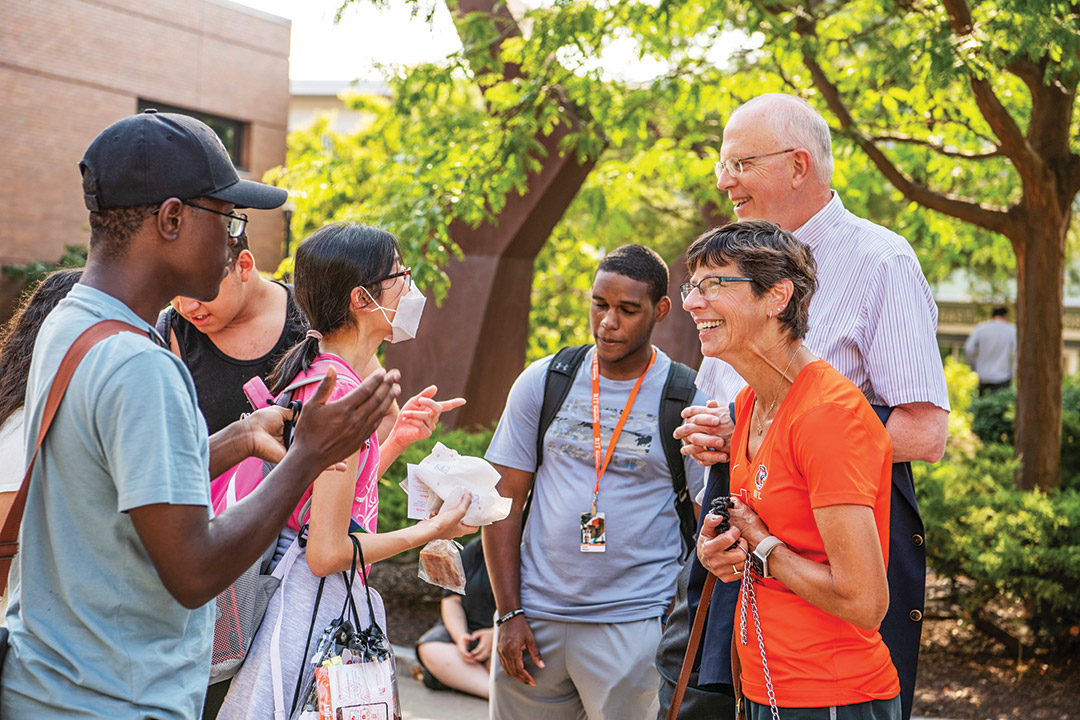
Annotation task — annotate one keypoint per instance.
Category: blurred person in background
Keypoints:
(16, 349)
(991, 351)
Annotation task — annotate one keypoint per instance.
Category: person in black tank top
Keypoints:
(242, 333)
(219, 378)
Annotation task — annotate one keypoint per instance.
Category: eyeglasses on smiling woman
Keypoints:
(709, 287)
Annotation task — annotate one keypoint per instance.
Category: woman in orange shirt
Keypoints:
(810, 483)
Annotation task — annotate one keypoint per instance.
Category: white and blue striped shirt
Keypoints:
(872, 317)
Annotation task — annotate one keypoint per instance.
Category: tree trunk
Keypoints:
(1040, 270)
(474, 344)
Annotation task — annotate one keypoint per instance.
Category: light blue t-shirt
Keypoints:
(94, 633)
(635, 578)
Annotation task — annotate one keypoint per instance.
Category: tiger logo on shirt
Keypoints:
(759, 480)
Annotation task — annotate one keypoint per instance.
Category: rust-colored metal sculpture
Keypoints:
(474, 345)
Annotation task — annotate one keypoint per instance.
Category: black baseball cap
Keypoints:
(148, 158)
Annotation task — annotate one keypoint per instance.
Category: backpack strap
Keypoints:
(342, 370)
(560, 376)
(285, 398)
(164, 323)
(679, 391)
(9, 535)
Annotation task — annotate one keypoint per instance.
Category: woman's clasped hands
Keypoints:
(724, 554)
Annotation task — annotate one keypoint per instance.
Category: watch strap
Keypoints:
(767, 545)
(760, 556)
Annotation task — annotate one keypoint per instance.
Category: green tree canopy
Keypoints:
(954, 124)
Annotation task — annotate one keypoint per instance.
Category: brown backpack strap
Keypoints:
(9, 535)
(692, 646)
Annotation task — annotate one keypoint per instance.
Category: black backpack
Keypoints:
(678, 392)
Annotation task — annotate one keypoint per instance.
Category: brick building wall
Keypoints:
(69, 68)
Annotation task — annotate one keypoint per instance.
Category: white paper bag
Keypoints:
(448, 475)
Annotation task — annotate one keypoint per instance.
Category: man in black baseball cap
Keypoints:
(120, 560)
(151, 157)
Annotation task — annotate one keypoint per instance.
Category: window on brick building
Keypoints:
(230, 131)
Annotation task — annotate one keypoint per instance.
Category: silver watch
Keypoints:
(759, 558)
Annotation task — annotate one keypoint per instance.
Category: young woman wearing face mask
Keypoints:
(351, 284)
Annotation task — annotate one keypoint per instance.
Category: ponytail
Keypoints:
(298, 359)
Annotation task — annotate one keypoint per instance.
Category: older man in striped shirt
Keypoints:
(873, 318)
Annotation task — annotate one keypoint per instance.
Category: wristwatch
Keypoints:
(759, 558)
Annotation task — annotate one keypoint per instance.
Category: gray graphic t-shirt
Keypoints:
(634, 578)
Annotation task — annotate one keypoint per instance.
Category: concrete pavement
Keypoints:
(419, 703)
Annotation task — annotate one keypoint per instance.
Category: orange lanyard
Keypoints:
(601, 467)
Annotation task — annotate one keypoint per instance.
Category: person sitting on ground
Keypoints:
(455, 653)
(16, 349)
(811, 477)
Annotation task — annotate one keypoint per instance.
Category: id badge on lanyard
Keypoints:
(592, 523)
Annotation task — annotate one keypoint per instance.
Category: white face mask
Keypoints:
(406, 317)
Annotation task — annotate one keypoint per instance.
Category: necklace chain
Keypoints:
(772, 405)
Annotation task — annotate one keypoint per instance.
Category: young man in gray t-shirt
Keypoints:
(584, 590)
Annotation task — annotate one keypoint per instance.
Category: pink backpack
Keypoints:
(240, 607)
(241, 480)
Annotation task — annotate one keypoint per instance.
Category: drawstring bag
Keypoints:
(238, 613)
(239, 608)
(351, 674)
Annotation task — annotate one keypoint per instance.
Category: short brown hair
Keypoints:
(767, 254)
(237, 246)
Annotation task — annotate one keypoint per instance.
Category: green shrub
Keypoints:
(997, 543)
(1070, 435)
(993, 420)
(74, 257)
(962, 382)
(393, 502)
(993, 416)
(1011, 545)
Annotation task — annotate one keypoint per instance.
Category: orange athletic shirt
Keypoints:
(824, 447)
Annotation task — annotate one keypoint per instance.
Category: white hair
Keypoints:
(795, 122)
